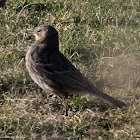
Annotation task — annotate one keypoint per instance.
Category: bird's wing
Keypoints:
(61, 74)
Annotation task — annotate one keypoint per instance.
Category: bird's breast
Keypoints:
(34, 74)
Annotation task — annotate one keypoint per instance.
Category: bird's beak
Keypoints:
(29, 32)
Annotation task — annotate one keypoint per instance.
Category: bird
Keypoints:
(53, 72)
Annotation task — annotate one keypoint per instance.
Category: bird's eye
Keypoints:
(39, 30)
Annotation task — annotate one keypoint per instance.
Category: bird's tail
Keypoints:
(102, 95)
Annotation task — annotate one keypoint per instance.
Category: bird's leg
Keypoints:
(66, 105)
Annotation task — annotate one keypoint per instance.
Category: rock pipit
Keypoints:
(53, 72)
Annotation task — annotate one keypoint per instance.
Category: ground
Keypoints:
(101, 38)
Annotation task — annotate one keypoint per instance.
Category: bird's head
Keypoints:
(45, 34)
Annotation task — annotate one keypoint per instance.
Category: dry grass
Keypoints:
(102, 39)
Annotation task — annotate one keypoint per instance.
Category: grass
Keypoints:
(101, 38)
